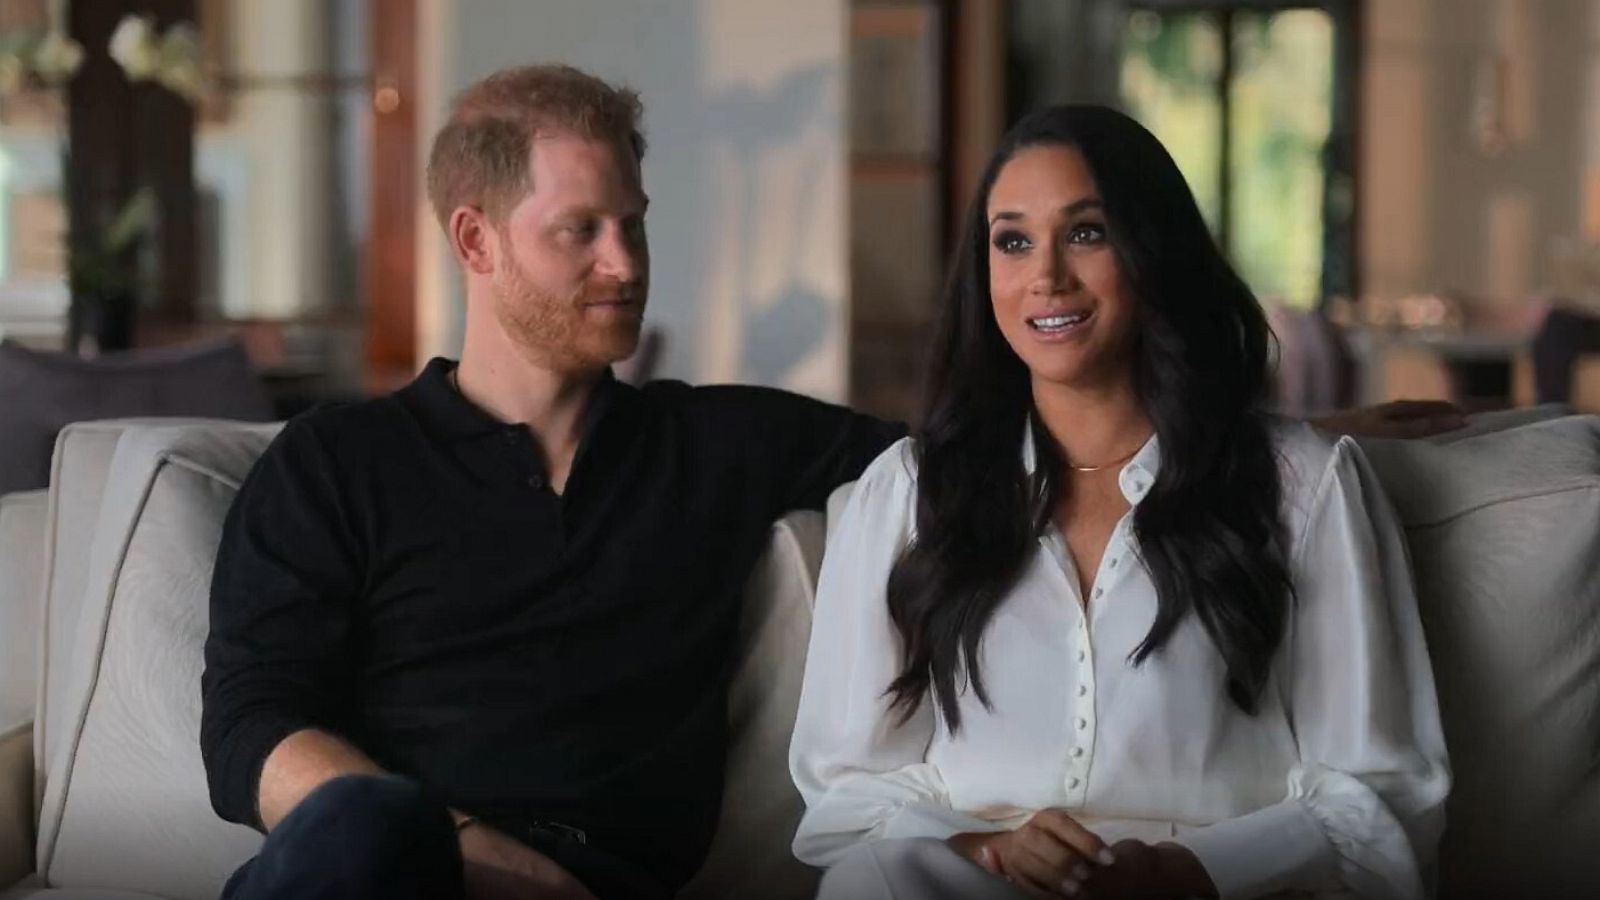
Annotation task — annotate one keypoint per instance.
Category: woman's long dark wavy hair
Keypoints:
(1209, 529)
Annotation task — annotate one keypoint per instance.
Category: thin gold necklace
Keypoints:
(1115, 462)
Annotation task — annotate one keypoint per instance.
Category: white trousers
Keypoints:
(911, 869)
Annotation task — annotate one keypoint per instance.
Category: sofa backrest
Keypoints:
(124, 801)
(1504, 534)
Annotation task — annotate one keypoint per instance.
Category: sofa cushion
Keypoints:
(30, 889)
(125, 804)
(78, 474)
(750, 855)
(1504, 534)
(46, 391)
(36, 893)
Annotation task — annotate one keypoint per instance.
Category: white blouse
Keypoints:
(1336, 785)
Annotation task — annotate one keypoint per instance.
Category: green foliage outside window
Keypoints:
(1281, 98)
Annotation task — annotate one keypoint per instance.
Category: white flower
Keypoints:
(180, 62)
(186, 81)
(181, 43)
(57, 57)
(135, 48)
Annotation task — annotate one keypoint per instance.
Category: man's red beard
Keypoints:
(559, 331)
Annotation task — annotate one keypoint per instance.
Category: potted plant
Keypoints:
(106, 263)
(105, 280)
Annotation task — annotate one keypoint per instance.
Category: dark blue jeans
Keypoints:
(356, 837)
(379, 836)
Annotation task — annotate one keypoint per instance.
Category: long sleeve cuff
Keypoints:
(925, 820)
(234, 763)
(827, 833)
(1275, 848)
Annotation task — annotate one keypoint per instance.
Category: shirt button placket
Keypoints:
(514, 435)
(1081, 738)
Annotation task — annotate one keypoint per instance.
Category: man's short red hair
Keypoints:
(480, 157)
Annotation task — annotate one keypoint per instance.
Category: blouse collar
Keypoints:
(1136, 477)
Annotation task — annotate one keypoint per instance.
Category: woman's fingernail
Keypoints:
(1105, 857)
(1069, 887)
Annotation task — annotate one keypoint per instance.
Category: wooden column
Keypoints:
(975, 100)
(390, 317)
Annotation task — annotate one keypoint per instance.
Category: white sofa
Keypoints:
(103, 586)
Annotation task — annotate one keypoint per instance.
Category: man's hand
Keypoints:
(1050, 856)
(497, 867)
(1145, 872)
(1397, 419)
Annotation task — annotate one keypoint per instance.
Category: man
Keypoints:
(513, 584)
(515, 581)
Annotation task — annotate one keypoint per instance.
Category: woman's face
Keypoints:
(1058, 292)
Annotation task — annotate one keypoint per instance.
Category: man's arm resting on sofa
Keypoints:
(1395, 419)
(495, 864)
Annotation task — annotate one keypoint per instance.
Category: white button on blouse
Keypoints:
(1337, 783)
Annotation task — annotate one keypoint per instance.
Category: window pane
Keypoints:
(1282, 96)
(1170, 67)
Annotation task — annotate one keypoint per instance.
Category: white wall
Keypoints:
(269, 163)
(744, 115)
(1438, 211)
(33, 309)
(289, 183)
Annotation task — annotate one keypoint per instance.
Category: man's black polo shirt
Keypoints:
(399, 573)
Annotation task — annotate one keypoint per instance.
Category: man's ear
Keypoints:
(472, 239)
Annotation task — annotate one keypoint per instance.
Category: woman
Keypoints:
(1101, 626)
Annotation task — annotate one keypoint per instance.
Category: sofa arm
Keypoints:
(16, 798)
(22, 552)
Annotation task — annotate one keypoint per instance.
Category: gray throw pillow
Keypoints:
(41, 393)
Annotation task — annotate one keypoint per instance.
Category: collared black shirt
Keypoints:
(398, 572)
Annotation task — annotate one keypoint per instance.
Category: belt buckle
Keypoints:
(558, 828)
